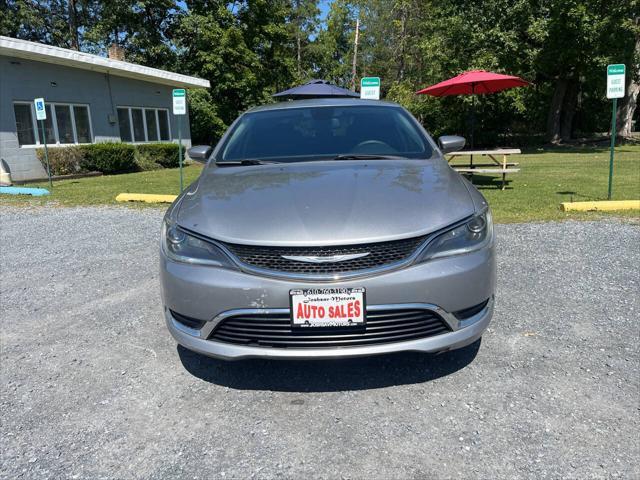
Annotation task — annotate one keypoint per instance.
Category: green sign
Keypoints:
(616, 69)
(180, 109)
(370, 82)
(370, 88)
(179, 101)
(615, 90)
(615, 81)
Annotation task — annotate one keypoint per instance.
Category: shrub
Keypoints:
(145, 161)
(64, 160)
(110, 157)
(164, 154)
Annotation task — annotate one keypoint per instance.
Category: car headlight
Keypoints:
(180, 246)
(467, 237)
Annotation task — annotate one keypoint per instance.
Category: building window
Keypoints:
(83, 124)
(65, 129)
(163, 122)
(125, 124)
(24, 123)
(139, 124)
(65, 124)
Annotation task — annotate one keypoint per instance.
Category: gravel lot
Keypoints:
(93, 386)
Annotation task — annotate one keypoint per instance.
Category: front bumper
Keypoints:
(468, 332)
(444, 285)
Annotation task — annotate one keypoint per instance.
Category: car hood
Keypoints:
(325, 203)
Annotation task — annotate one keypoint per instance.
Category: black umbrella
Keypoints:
(316, 89)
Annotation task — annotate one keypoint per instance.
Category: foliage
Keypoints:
(252, 49)
(206, 125)
(163, 154)
(64, 161)
(110, 158)
(333, 49)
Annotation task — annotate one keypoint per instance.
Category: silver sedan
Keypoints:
(327, 228)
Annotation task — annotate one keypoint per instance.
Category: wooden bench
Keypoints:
(504, 167)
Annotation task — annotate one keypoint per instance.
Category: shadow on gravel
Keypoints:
(328, 375)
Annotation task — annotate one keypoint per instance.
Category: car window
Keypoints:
(308, 133)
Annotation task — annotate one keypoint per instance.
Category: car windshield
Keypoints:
(320, 133)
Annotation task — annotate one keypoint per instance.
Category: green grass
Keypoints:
(546, 178)
(103, 190)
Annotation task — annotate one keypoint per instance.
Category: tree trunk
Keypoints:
(569, 104)
(354, 70)
(299, 53)
(555, 111)
(403, 41)
(298, 27)
(627, 110)
(629, 102)
(73, 25)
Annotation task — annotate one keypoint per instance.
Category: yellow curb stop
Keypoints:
(145, 197)
(602, 206)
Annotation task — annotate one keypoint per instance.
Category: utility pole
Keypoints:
(298, 26)
(355, 55)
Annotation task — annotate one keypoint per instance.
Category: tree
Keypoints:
(303, 24)
(245, 51)
(53, 22)
(333, 47)
(143, 28)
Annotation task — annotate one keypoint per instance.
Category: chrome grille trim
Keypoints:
(379, 256)
(345, 275)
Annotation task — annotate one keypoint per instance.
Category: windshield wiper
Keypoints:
(356, 156)
(248, 161)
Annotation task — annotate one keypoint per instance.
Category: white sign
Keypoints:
(327, 307)
(41, 113)
(370, 88)
(615, 81)
(179, 101)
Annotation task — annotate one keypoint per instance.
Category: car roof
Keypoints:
(322, 102)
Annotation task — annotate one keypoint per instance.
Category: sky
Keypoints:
(324, 9)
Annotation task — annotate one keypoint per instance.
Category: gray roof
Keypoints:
(17, 48)
(322, 102)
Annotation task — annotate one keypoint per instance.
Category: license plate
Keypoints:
(327, 307)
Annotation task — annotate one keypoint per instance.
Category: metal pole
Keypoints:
(613, 144)
(473, 113)
(180, 148)
(46, 153)
(354, 71)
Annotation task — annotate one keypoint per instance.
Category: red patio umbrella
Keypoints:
(475, 82)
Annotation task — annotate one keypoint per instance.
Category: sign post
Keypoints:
(41, 116)
(180, 109)
(615, 90)
(370, 88)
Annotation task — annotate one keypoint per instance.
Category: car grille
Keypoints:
(382, 326)
(380, 254)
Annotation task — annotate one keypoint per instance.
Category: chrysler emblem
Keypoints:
(325, 259)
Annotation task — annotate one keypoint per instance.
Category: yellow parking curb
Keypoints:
(145, 197)
(601, 206)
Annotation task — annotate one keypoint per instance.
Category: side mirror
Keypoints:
(200, 153)
(451, 143)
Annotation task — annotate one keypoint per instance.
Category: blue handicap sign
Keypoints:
(41, 113)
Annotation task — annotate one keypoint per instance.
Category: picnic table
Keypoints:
(498, 165)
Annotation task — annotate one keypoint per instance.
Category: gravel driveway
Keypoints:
(93, 386)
